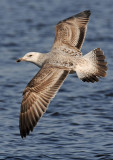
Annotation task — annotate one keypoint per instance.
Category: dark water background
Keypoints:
(79, 122)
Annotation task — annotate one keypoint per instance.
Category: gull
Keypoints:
(64, 58)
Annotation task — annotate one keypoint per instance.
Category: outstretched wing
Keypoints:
(37, 96)
(71, 31)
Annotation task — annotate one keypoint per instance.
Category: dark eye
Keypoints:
(30, 55)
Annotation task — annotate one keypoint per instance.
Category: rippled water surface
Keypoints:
(79, 121)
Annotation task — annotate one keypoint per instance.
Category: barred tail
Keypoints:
(94, 66)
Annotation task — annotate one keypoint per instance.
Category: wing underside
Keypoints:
(37, 96)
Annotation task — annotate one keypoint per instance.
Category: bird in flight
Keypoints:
(64, 58)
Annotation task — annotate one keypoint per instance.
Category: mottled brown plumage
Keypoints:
(65, 57)
(37, 95)
(71, 31)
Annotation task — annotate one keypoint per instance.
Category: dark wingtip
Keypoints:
(84, 14)
(23, 135)
(88, 12)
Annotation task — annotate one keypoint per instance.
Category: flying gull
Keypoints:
(64, 58)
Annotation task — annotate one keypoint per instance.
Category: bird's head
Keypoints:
(30, 57)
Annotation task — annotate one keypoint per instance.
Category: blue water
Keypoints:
(79, 121)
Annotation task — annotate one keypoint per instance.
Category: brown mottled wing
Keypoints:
(71, 31)
(37, 96)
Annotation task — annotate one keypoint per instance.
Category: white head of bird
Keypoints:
(34, 57)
